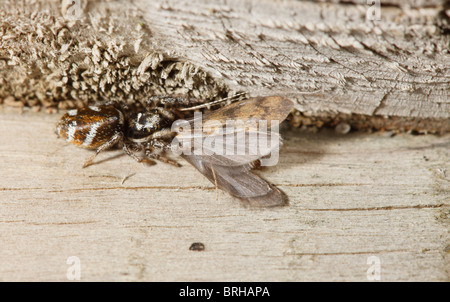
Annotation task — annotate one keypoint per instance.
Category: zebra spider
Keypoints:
(101, 127)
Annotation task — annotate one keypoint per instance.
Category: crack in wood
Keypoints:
(348, 253)
(381, 104)
(383, 208)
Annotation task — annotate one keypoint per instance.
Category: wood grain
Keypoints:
(351, 197)
(326, 55)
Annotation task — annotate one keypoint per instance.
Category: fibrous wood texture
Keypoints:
(391, 67)
(329, 57)
(356, 200)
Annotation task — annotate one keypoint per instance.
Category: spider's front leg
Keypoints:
(150, 153)
(155, 150)
(131, 149)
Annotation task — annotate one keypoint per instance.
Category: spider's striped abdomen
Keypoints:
(90, 127)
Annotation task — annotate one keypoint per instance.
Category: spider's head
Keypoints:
(142, 125)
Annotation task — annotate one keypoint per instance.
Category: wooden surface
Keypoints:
(327, 56)
(352, 197)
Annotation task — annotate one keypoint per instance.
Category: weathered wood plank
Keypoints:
(345, 62)
(351, 197)
(327, 56)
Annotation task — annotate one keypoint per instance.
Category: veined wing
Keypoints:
(239, 182)
(225, 154)
(254, 109)
(238, 134)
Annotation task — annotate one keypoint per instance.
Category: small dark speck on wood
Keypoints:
(197, 246)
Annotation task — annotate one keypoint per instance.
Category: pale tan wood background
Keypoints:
(351, 197)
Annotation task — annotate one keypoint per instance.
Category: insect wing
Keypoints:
(227, 154)
(237, 134)
(254, 109)
(238, 150)
(239, 182)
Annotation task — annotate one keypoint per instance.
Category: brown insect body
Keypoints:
(102, 127)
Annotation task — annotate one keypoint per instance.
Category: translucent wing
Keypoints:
(239, 182)
(226, 154)
(251, 122)
(254, 109)
(226, 150)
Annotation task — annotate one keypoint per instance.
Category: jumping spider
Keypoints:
(102, 127)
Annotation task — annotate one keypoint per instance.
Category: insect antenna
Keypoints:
(211, 103)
